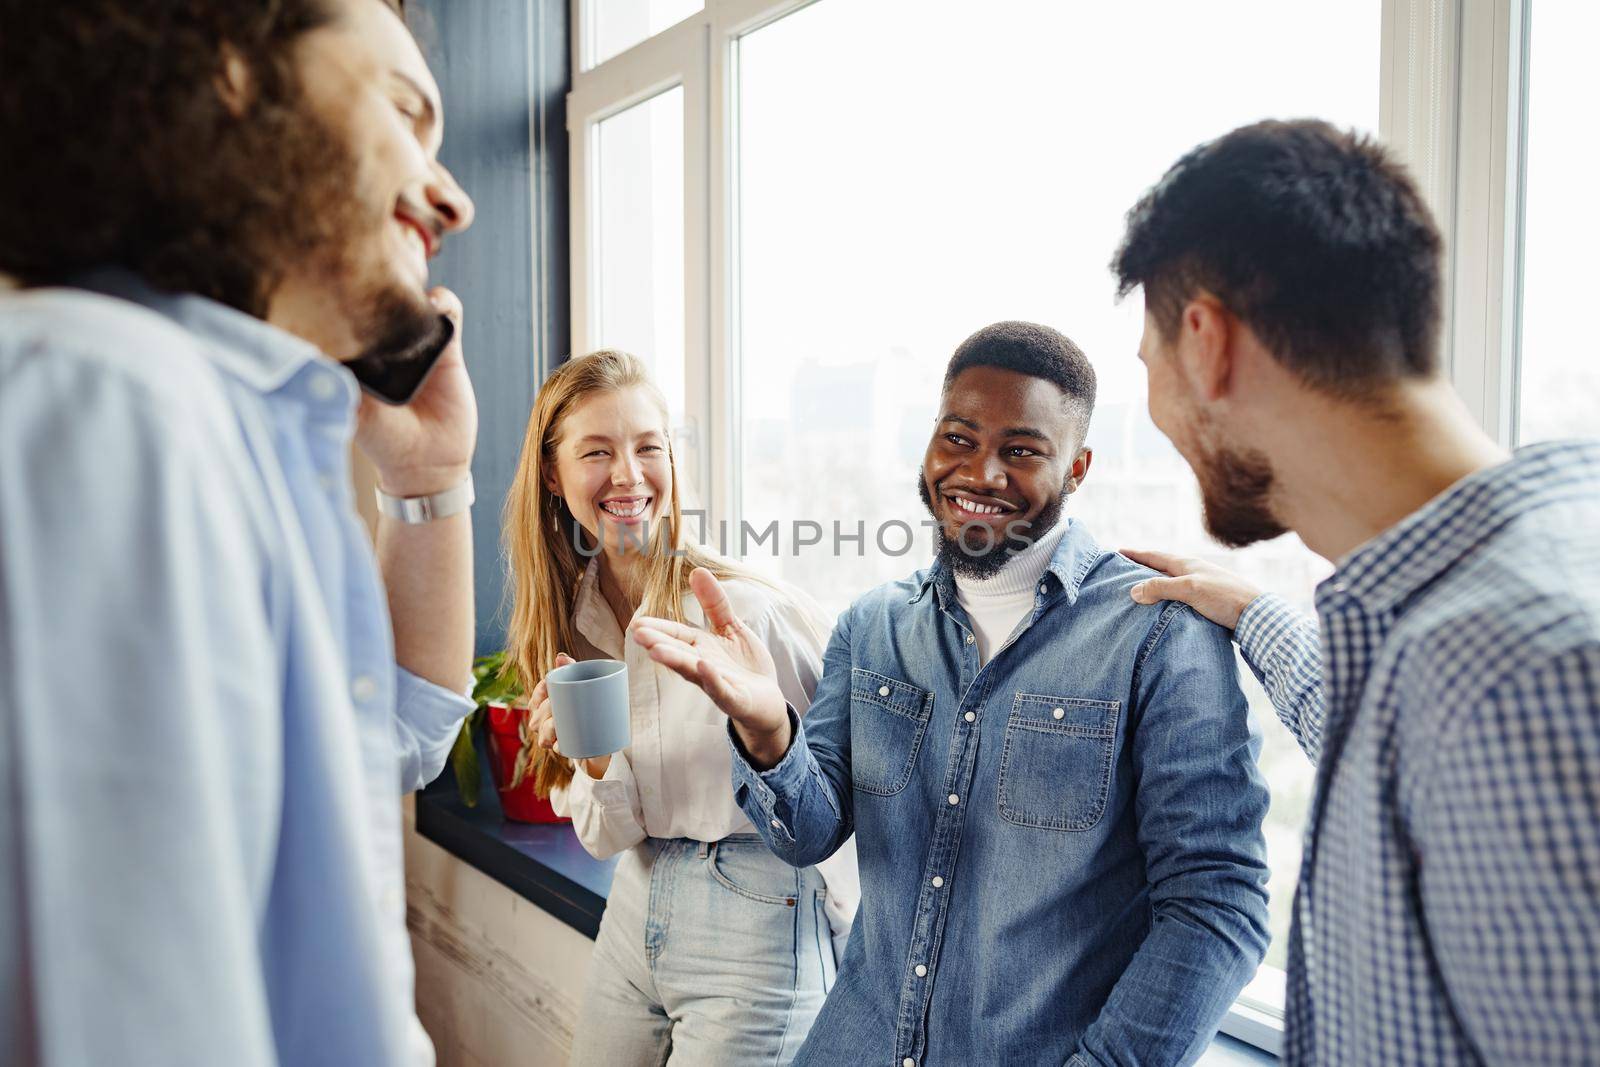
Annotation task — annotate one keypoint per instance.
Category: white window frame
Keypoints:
(1453, 106)
(1454, 102)
(676, 57)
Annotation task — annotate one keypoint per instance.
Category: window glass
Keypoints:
(950, 171)
(1560, 373)
(640, 238)
(615, 26)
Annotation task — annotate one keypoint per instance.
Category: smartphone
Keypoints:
(395, 377)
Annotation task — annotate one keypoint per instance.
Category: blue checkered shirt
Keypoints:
(1449, 901)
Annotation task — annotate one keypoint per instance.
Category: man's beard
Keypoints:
(984, 561)
(392, 324)
(331, 231)
(1235, 488)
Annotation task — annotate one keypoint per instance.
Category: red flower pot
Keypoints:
(519, 804)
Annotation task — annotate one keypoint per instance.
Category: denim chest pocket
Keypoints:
(888, 718)
(1055, 770)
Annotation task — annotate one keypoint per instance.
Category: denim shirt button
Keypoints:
(908, 1062)
(969, 639)
(883, 690)
(972, 716)
(937, 882)
(922, 972)
(954, 799)
(1058, 713)
(776, 825)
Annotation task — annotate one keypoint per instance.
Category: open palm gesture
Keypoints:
(726, 660)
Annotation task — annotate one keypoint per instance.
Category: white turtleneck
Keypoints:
(996, 604)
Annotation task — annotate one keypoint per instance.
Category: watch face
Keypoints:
(395, 376)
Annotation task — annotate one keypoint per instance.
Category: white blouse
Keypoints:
(676, 777)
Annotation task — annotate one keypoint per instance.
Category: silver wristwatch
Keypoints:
(416, 510)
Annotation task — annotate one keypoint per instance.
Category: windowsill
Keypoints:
(546, 866)
(542, 863)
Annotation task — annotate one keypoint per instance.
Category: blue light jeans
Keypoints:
(709, 955)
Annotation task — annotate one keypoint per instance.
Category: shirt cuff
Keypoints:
(1262, 622)
(428, 706)
(427, 719)
(610, 790)
(773, 788)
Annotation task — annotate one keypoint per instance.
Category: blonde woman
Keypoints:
(712, 950)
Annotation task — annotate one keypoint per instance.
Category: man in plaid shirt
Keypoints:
(1449, 901)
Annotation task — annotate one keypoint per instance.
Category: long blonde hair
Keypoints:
(546, 567)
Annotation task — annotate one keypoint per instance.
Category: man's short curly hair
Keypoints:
(1037, 351)
(1317, 239)
(119, 150)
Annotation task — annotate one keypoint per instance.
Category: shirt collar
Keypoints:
(1073, 559)
(1021, 574)
(592, 616)
(257, 353)
(1416, 550)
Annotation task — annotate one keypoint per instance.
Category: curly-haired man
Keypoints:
(209, 700)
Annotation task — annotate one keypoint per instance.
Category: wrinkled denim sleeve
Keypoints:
(1199, 804)
(801, 807)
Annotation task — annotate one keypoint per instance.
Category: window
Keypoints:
(614, 26)
(1560, 376)
(890, 209)
(639, 236)
(865, 182)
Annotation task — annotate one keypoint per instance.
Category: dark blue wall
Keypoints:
(502, 68)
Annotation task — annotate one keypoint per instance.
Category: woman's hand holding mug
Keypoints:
(542, 723)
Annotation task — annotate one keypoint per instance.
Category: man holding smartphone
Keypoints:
(211, 211)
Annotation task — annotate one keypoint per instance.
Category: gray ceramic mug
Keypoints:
(589, 700)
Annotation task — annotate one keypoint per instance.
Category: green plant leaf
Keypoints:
(464, 761)
(495, 680)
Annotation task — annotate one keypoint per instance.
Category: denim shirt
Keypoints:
(1061, 850)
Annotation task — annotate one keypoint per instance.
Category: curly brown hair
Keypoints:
(120, 150)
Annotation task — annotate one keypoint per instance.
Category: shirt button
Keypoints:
(1044, 587)
(922, 972)
(776, 825)
(937, 881)
(364, 688)
(883, 690)
(969, 639)
(908, 1062)
(954, 799)
(972, 716)
(323, 387)
(1058, 713)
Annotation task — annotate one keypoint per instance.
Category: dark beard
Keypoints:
(329, 228)
(1234, 492)
(397, 331)
(985, 561)
(277, 193)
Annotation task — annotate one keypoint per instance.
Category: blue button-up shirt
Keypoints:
(1061, 851)
(1449, 902)
(204, 736)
